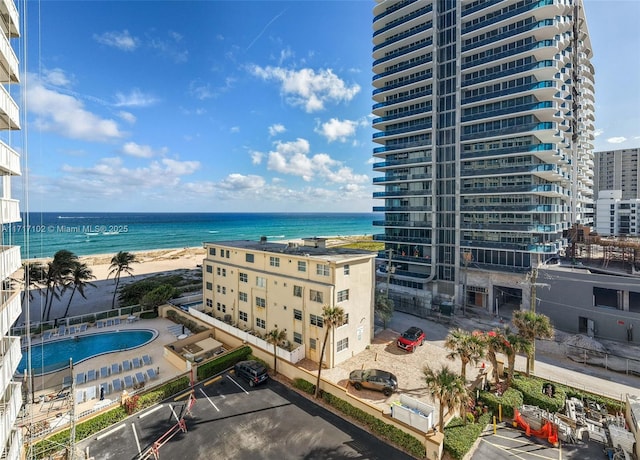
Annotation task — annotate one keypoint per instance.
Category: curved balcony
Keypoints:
(517, 228)
(537, 189)
(9, 11)
(383, 165)
(403, 68)
(539, 129)
(398, 193)
(403, 146)
(390, 103)
(540, 109)
(389, 179)
(397, 133)
(401, 19)
(9, 112)
(409, 114)
(9, 70)
(542, 90)
(405, 84)
(536, 248)
(546, 171)
(508, 15)
(414, 49)
(9, 160)
(543, 70)
(401, 224)
(403, 36)
(549, 149)
(10, 309)
(402, 209)
(522, 209)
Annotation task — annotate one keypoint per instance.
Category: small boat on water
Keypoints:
(110, 233)
(92, 234)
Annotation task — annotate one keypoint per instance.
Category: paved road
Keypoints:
(232, 420)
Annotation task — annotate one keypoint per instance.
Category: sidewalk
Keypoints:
(551, 361)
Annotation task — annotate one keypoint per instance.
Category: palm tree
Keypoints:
(494, 341)
(514, 344)
(274, 337)
(532, 326)
(447, 387)
(80, 276)
(57, 276)
(33, 274)
(466, 346)
(331, 317)
(121, 262)
(383, 308)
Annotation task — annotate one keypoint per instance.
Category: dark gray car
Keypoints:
(374, 379)
(252, 371)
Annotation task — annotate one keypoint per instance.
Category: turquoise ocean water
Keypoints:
(42, 234)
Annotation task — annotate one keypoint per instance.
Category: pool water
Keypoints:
(54, 356)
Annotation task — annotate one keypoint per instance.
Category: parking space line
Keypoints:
(151, 411)
(238, 385)
(183, 395)
(104, 435)
(512, 450)
(135, 435)
(208, 399)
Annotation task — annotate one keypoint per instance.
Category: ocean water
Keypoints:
(42, 234)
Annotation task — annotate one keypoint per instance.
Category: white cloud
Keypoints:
(256, 157)
(67, 116)
(127, 116)
(200, 90)
(276, 129)
(121, 40)
(181, 168)
(306, 88)
(237, 181)
(135, 98)
(56, 77)
(337, 130)
(234, 129)
(141, 151)
(598, 132)
(171, 48)
(293, 158)
(616, 140)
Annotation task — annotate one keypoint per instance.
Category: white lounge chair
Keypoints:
(146, 359)
(152, 374)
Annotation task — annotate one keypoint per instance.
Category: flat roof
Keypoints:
(335, 254)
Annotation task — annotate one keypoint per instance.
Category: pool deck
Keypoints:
(52, 405)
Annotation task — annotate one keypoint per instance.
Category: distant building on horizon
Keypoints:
(11, 305)
(618, 170)
(260, 286)
(484, 112)
(616, 216)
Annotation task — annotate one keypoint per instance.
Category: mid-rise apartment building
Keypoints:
(618, 170)
(616, 216)
(10, 305)
(485, 119)
(261, 286)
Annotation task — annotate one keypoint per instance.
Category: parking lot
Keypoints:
(232, 420)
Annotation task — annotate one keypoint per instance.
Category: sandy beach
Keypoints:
(160, 261)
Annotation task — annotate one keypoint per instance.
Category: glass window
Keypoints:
(212, 251)
(274, 261)
(315, 296)
(209, 303)
(209, 286)
(243, 316)
(346, 270)
(260, 302)
(261, 282)
(243, 296)
(343, 295)
(244, 278)
(342, 344)
(261, 323)
(302, 266)
(322, 270)
(218, 270)
(209, 269)
(316, 320)
(248, 258)
(297, 291)
(297, 337)
(297, 314)
(312, 344)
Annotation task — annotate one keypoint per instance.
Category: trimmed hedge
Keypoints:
(384, 430)
(217, 365)
(509, 399)
(460, 438)
(47, 447)
(532, 393)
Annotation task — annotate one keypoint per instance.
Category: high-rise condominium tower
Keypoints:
(10, 306)
(485, 116)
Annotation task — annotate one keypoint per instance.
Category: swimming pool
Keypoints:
(54, 356)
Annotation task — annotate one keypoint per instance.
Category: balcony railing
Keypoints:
(9, 160)
(10, 70)
(401, 239)
(466, 155)
(10, 310)
(428, 42)
(514, 90)
(409, 81)
(400, 178)
(507, 15)
(9, 409)
(9, 210)
(402, 20)
(404, 67)
(408, 129)
(402, 208)
(10, 259)
(402, 193)
(8, 9)
(529, 228)
(408, 113)
(546, 64)
(9, 112)
(10, 360)
(403, 35)
(397, 223)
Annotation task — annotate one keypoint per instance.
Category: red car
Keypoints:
(411, 338)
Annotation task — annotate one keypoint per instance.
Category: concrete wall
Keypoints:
(567, 294)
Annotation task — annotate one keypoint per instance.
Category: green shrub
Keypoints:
(148, 315)
(460, 438)
(509, 399)
(302, 384)
(532, 393)
(217, 365)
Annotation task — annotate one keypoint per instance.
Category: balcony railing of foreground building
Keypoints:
(547, 64)
(392, 8)
(8, 9)
(9, 410)
(399, 100)
(469, 154)
(11, 355)
(401, 239)
(398, 223)
(523, 208)
(550, 171)
(403, 19)
(511, 33)
(528, 228)
(403, 35)
(402, 193)
(408, 129)
(422, 77)
(405, 161)
(408, 113)
(500, 268)
(9, 112)
(10, 309)
(411, 49)
(506, 15)
(407, 208)
(400, 178)
(535, 106)
(549, 85)
(404, 145)
(9, 210)
(9, 160)
(543, 189)
(10, 259)
(523, 129)
(480, 6)
(9, 70)
(14, 449)
(524, 247)
(402, 68)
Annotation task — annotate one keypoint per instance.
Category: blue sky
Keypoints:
(222, 106)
